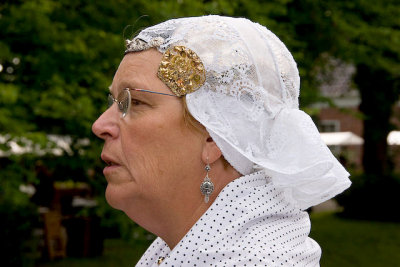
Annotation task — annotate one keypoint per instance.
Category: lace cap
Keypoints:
(249, 103)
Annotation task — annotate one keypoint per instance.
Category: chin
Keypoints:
(121, 196)
(113, 197)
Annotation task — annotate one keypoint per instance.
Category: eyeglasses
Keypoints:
(124, 99)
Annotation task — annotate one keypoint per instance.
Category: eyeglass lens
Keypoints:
(123, 101)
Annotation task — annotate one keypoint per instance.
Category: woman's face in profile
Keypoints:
(152, 154)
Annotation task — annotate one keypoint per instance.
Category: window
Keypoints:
(326, 126)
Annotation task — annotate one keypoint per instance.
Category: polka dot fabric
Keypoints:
(249, 224)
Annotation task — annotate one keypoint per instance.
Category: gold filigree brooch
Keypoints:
(181, 70)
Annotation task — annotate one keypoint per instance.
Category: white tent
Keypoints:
(341, 139)
(393, 138)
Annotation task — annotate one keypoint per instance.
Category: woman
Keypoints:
(206, 148)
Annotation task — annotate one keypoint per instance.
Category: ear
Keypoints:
(211, 151)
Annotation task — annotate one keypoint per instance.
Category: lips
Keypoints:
(108, 160)
(111, 163)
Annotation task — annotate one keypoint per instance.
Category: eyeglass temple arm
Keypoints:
(148, 91)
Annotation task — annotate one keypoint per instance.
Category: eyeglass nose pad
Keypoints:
(121, 108)
(110, 100)
(124, 102)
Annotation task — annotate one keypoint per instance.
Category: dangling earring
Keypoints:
(207, 187)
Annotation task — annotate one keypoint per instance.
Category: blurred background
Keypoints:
(58, 57)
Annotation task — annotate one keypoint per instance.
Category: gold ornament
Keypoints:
(181, 70)
(160, 260)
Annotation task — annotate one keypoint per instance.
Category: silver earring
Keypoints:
(207, 187)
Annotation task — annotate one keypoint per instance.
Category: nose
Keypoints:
(106, 126)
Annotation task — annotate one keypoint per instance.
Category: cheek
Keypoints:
(150, 146)
(142, 144)
(159, 148)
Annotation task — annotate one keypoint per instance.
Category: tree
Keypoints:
(368, 36)
(370, 39)
(58, 57)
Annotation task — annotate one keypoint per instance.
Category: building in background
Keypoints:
(343, 120)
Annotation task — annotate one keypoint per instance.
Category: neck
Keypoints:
(178, 228)
(171, 219)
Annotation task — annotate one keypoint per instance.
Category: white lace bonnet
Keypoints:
(249, 103)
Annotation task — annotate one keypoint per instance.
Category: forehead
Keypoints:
(138, 70)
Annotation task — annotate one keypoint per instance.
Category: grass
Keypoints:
(117, 252)
(344, 243)
(356, 243)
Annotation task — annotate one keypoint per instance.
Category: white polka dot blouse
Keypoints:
(249, 224)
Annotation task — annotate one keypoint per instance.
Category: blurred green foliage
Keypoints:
(18, 215)
(57, 59)
(370, 39)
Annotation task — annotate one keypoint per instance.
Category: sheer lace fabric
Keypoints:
(249, 104)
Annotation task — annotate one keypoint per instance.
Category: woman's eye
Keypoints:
(135, 102)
